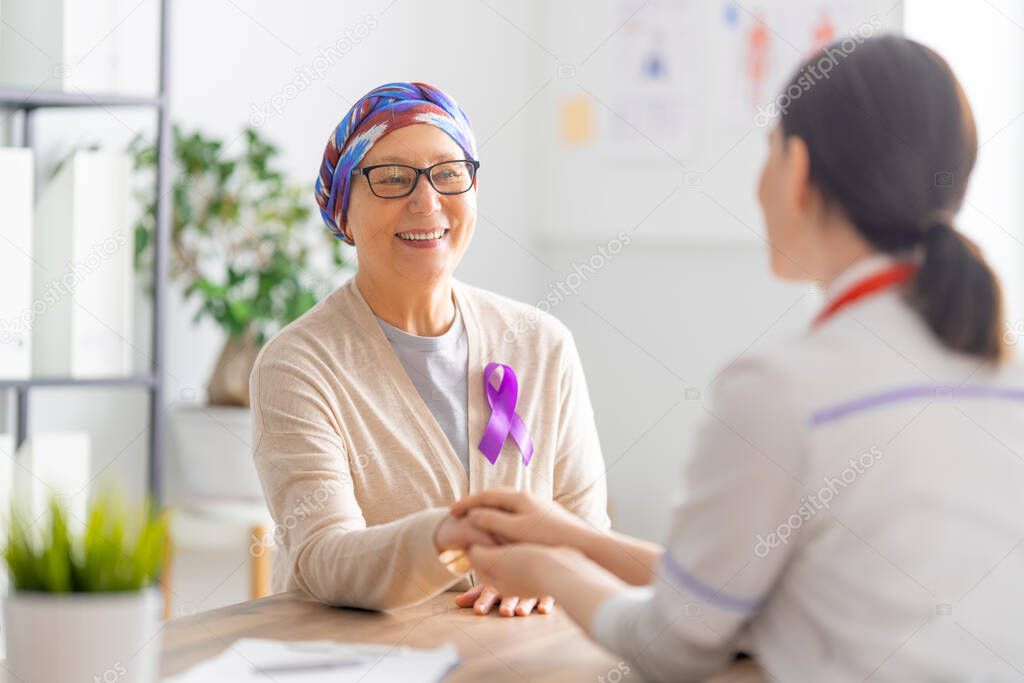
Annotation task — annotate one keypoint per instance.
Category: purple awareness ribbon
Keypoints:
(504, 419)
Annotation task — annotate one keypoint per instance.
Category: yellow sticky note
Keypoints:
(577, 120)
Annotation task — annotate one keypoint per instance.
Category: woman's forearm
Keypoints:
(382, 567)
(582, 589)
(631, 559)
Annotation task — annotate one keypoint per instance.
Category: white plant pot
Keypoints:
(211, 456)
(104, 637)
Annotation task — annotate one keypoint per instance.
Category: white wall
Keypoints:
(661, 317)
(692, 291)
(993, 78)
(228, 58)
(655, 321)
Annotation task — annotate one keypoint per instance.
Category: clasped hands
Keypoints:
(513, 541)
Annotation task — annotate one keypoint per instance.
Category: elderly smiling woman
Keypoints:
(400, 392)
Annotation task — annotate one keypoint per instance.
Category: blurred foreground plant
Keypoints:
(119, 549)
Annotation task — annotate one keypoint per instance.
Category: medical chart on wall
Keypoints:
(660, 60)
(755, 48)
(687, 67)
(674, 99)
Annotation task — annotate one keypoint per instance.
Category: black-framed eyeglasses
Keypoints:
(391, 181)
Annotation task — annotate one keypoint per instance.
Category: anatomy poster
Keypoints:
(756, 46)
(659, 78)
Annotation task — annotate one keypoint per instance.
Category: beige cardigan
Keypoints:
(356, 471)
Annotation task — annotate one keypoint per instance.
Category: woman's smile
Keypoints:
(423, 239)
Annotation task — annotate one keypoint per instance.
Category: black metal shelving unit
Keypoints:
(28, 103)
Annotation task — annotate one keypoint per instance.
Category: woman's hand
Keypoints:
(520, 569)
(579, 584)
(509, 516)
(483, 597)
(453, 533)
(512, 516)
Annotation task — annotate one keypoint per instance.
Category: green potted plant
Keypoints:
(244, 245)
(83, 603)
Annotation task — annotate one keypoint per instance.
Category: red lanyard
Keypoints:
(890, 277)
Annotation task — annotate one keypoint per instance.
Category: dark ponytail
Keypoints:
(958, 294)
(892, 142)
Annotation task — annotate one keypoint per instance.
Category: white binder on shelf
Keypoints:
(83, 279)
(58, 45)
(16, 172)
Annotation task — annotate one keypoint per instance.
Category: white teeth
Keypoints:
(422, 235)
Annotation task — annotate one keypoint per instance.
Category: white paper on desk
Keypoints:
(378, 663)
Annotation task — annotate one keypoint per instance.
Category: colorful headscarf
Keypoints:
(380, 111)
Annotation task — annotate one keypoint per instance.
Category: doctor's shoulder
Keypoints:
(784, 379)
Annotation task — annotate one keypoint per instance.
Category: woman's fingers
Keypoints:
(525, 607)
(488, 596)
(504, 498)
(484, 561)
(483, 557)
(546, 605)
(483, 598)
(476, 535)
(508, 606)
(494, 521)
(469, 597)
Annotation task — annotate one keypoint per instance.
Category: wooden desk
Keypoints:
(493, 648)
